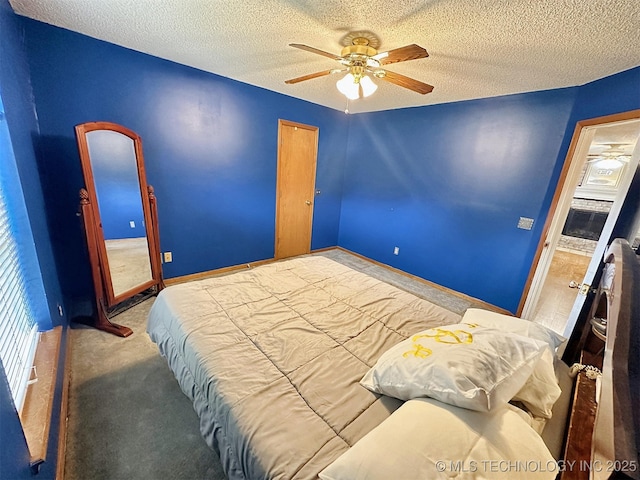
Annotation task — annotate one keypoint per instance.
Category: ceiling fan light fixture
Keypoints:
(361, 60)
(610, 163)
(368, 87)
(349, 86)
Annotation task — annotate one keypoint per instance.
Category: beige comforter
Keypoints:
(272, 358)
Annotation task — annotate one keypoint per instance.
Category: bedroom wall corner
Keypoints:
(22, 126)
(210, 146)
(447, 184)
(610, 95)
(607, 96)
(20, 173)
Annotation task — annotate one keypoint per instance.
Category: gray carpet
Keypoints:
(128, 418)
(457, 303)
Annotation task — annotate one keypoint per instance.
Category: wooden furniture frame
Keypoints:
(106, 298)
(603, 435)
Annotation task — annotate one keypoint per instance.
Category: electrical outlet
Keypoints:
(168, 257)
(132, 224)
(396, 250)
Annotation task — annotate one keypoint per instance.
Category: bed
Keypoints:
(276, 359)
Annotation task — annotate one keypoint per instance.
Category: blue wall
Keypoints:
(14, 455)
(210, 147)
(17, 97)
(20, 178)
(609, 95)
(447, 184)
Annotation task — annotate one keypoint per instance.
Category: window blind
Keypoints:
(18, 328)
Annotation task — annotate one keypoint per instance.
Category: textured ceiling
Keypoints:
(621, 137)
(477, 48)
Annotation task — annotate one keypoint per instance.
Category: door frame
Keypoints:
(560, 204)
(315, 129)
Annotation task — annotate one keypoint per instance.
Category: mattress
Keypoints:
(272, 356)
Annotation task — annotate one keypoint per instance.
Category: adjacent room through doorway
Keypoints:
(606, 169)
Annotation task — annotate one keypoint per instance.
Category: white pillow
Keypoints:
(426, 439)
(541, 390)
(465, 365)
(512, 324)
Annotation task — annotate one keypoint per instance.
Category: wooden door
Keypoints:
(297, 153)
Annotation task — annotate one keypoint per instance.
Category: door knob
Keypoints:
(308, 202)
(583, 288)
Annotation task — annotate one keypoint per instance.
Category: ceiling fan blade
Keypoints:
(311, 75)
(314, 50)
(402, 54)
(406, 82)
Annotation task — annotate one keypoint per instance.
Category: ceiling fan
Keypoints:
(614, 156)
(360, 57)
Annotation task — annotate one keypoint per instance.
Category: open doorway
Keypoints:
(600, 166)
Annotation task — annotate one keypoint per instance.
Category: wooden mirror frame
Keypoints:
(106, 299)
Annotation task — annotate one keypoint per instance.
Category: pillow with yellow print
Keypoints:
(541, 390)
(467, 365)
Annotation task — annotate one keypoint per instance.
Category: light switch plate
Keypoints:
(525, 223)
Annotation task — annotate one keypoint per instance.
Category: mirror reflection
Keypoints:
(117, 186)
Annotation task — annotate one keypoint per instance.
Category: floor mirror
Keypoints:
(120, 221)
